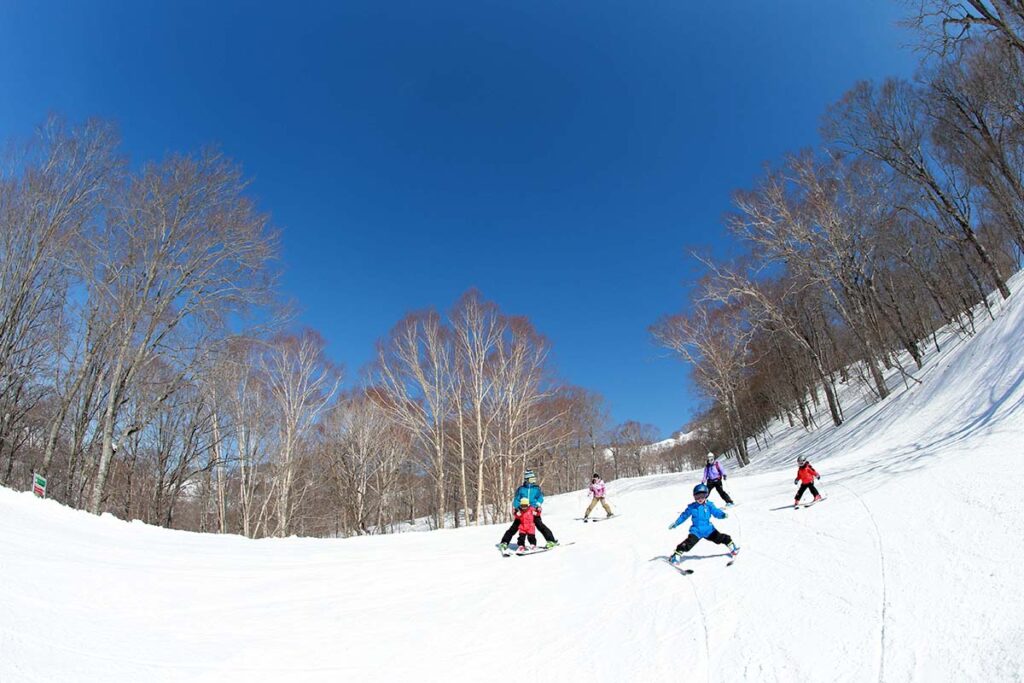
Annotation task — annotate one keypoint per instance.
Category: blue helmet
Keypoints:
(700, 488)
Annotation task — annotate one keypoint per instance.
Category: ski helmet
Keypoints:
(801, 459)
(524, 502)
(596, 476)
(700, 490)
(529, 476)
(711, 457)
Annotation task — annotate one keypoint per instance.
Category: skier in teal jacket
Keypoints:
(531, 491)
(700, 512)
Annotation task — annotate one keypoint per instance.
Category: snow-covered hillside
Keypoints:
(909, 571)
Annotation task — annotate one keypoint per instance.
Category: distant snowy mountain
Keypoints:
(909, 570)
(670, 442)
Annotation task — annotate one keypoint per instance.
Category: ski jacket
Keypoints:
(806, 473)
(597, 489)
(527, 521)
(700, 518)
(712, 472)
(531, 491)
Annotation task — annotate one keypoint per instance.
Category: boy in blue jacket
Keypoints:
(700, 513)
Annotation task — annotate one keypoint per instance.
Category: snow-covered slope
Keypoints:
(910, 570)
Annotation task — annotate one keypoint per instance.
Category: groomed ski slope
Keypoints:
(911, 570)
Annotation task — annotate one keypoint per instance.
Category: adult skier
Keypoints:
(714, 474)
(805, 476)
(597, 492)
(700, 512)
(531, 491)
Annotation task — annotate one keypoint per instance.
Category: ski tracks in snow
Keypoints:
(881, 565)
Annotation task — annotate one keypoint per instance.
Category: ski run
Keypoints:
(912, 571)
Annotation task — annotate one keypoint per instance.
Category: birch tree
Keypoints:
(302, 381)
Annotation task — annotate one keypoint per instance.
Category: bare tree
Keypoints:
(181, 244)
(365, 450)
(714, 341)
(302, 382)
(414, 367)
(888, 124)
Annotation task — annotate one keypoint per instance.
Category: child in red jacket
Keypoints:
(805, 476)
(527, 525)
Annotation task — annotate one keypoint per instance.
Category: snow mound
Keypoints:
(909, 570)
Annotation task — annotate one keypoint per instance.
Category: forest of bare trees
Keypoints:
(854, 254)
(147, 369)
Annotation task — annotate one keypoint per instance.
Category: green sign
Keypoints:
(39, 484)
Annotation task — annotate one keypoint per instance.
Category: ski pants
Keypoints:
(523, 538)
(593, 504)
(715, 536)
(805, 487)
(541, 527)
(716, 485)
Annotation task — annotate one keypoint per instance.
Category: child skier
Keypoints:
(714, 473)
(531, 491)
(527, 517)
(700, 513)
(805, 476)
(597, 493)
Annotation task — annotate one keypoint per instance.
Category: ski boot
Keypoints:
(521, 549)
(503, 547)
(733, 549)
(796, 503)
(729, 504)
(816, 499)
(550, 544)
(676, 557)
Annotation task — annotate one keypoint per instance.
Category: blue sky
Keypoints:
(560, 156)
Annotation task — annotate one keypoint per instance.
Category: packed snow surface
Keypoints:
(910, 570)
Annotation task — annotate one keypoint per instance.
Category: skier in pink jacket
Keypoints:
(597, 493)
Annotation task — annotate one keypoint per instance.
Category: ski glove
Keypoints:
(671, 527)
(818, 477)
(795, 482)
(725, 515)
(724, 477)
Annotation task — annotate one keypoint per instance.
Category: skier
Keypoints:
(714, 474)
(597, 493)
(805, 476)
(527, 517)
(531, 491)
(700, 513)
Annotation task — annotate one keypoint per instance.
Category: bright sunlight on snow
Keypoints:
(909, 570)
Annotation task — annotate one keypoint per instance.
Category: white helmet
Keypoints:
(711, 457)
(801, 459)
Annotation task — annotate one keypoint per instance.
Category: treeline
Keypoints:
(854, 254)
(147, 370)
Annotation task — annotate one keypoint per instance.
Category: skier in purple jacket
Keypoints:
(714, 473)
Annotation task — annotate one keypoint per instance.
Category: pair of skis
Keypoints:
(598, 519)
(536, 551)
(686, 572)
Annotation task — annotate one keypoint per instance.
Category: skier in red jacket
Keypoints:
(525, 515)
(805, 476)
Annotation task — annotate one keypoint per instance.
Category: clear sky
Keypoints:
(560, 156)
